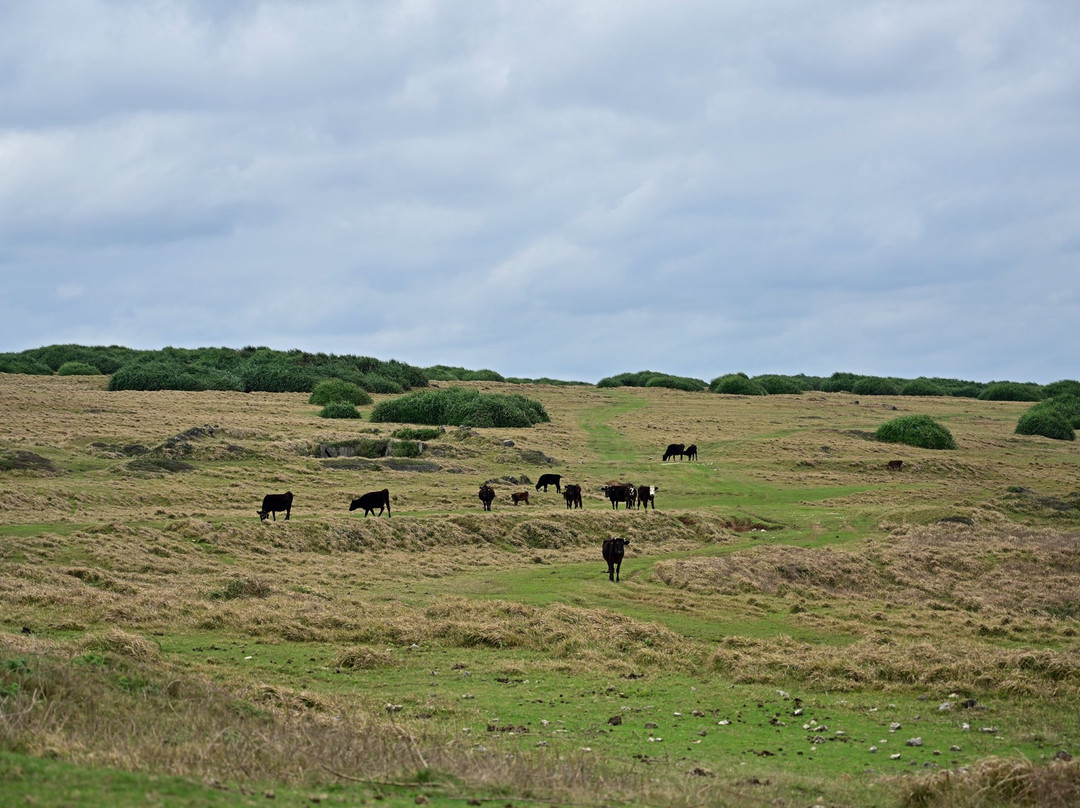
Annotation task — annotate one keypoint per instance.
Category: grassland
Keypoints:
(796, 624)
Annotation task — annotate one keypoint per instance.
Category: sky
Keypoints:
(561, 188)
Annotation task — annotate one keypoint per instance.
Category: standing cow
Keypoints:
(690, 452)
(272, 503)
(487, 496)
(549, 479)
(617, 492)
(372, 500)
(523, 496)
(674, 449)
(613, 554)
(572, 494)
(646, 495)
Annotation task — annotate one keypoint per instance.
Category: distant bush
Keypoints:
(916, 430)
(677, 383)
(1067, 404)
(458, 406)
(839, 382)
(20, 363)
(1062, 387)
(329, 390)
(922, 387)
(405, 448)
(378, 383)
(339, 409)
(445, 373)
(77, 369)
(737, 384)
(411, 433)
(1047, 422)
(779, 385)
(1011, 391)
(875, 386)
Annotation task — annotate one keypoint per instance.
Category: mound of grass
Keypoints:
(339, 409)
(458, 406)
(77, 369)
(780, 385)
(916, 430)
(922, 387)
(330, 390)
(412, 433)
(737, 384)
(1046, 421)
(1011, 391)
(22, 460)
(875, 386)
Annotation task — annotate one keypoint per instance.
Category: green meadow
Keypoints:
(795, 625)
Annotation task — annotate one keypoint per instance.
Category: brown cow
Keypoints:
(895, 465)
(520, 497)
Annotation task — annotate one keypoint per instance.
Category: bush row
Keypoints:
(458, 406)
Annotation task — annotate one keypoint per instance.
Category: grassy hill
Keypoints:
(796, 623)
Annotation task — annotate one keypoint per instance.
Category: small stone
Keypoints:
(914, 742)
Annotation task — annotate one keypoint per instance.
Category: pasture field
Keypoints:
(796, 624)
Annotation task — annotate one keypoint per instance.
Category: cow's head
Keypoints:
(263, 515)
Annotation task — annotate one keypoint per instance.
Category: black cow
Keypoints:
(617, 492)
(487, 495)
(646, 494)
(613, 554)
(520, 497)
(674, 449)
(372, 500)
(549, 479)
(572, 494)
(691, 452)
(895, 465)
(272, 503)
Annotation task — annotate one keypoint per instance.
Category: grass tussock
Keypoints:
(997, 782)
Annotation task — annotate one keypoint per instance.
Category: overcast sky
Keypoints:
(565, 188)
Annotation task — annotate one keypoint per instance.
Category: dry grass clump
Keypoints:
(364, 658)
(118, 641)
(997, 782)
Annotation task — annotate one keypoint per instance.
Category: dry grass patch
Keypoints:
(997, 782)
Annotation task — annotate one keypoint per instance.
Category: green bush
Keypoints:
(875, 386)
(457, 406)
(405, 448)
(839, 382)
(1046, 421)
(1011, 391)
(446, 373)
(916, 430)
(339, 409)
(779, 385)
(1062, 387)
(77, 369)
(677, 383)
(21, 363)
(329, 390)
(737, 384)
(377, 383)
(411, 433)
(922, 387)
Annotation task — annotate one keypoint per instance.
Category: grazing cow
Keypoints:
(521, 497)
(487, 495)
(370, 501)
(674, 449)
(272, 503)
(572, 494)
(645, 495)
(617, 492)
(613, 554)
(550, 479)
(691, 452)
(896, 465)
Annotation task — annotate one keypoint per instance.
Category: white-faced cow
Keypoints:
(646, 495)
(674, 449)
(572, 494)
(550, 479)
(617, 492)
(613, 554)
(522, 496)
(690, 453)
(272, 503)
(372, 500)
(487, 496)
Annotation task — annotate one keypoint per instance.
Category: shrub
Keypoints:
(922, 387)
(1067, 404)
(77, 369)
(737, 384)
(330, 390)
(445, 373)
(339, 409)
(405, 448)
(677, 383)
(1046, 421)
(643, 378)
(779, 385)
(410, 433)
(20, 363)
(875, 386)
(839, 382)
(377, 383)
(1062, 387)
(916, 430)
(457, 406)
(1011, 391)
